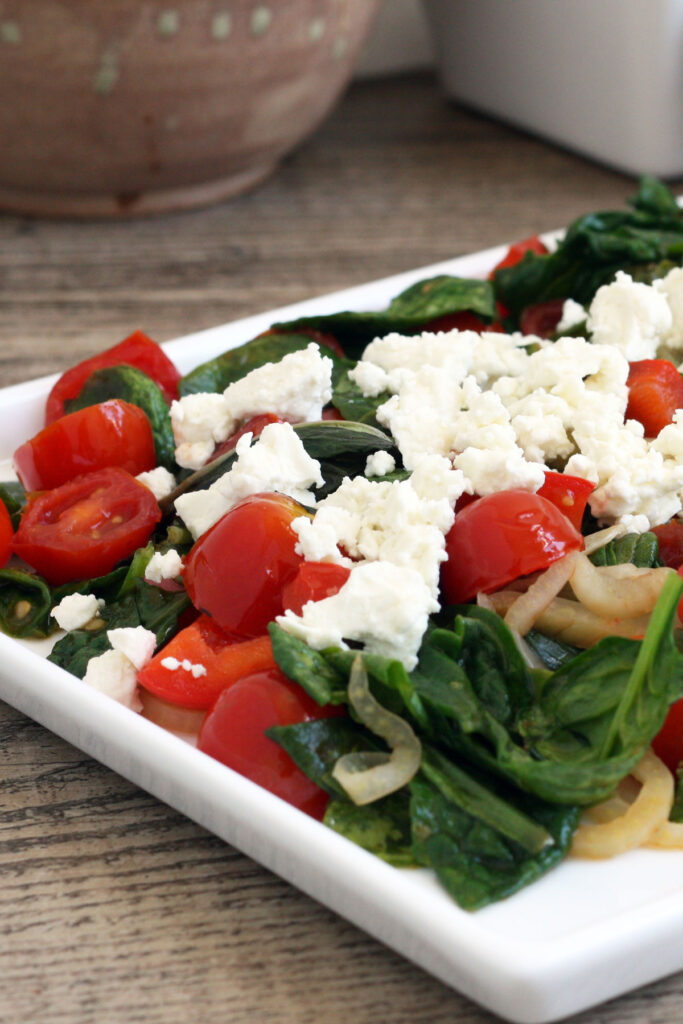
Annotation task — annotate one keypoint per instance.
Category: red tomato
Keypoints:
(204, 643)
(518, 251)
(464, 321)
(500, 537)
(136, 350)
(113, 433)
(234, 729)
(655, 391)
(541, 319)
(314, 582)
(668, 743)
(568, 493)
(330, 413)
(83, 528)
(236, 572)
(670, 537)
(6, 534)
(254, 426)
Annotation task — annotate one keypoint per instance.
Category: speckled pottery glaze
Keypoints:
(120, 107)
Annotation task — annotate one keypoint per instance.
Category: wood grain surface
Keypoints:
(115, 908)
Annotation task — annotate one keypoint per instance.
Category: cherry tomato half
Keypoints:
(500, 537)
(670, 539)
(314, 582)
(542, 319)
(237, 570)
(253, 426)
(234, 733)
(6, 534)
(655, 391)
(83, 528)
(518, 251)
(668, 743)
(204, 644)
(568, 493)
(113, 433)
(136, 350)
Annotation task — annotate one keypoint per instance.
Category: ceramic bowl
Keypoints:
(136, 106)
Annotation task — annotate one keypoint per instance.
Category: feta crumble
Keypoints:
(159, 481)
(380, 463)
(195, 669)
(164, 567)
(76, 610)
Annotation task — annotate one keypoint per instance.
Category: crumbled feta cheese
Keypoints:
(76, 610)
(200, 422)
(380, 464)
(671, 287)
(195, 669)
(135, 642)
(115, 675)
(296, 388)
(401, 522)
(631, 316)
(159, 481)
(385, 607)
(164, 567)
(278, 462)
(573, 314)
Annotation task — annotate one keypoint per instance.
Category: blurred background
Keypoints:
(378, 151)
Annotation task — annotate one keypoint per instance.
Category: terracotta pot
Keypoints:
(114, 107)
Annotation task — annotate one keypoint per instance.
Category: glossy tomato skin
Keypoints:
(518, 251)
(501, 537)
(225, 661)
(252, 426)
(136, 350)
(234, 733)
(83, 528)
(668, 743)
(568, 493)
(314, 582)
(113, 433)
(237, 570)
(655, 392)
(6, 534)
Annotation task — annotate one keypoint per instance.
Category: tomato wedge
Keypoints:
(568, 493)
(518, 251)
(314, 582)
(83, 528)
(500, 537)
(655, 392)
(6, 534)
(542, 319)
(203, 644)
(136, 350)
(670, 539)
(113, 433)
(252, 426)
(234, 733)
(237, 570)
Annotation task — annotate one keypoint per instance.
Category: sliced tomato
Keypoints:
(500, 537)
(313, 582)
(113, 433)
(542, 319)
(655, 392)
(670, 538)
(6, 534)
(568, 493)
(518, 251)
(252, 426)
(234, 733)
(464, 321)
(83, 528)
(136, 350)
(203, 646)
(237, 570)
(330, 413)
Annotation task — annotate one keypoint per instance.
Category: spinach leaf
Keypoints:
(677, 809)
(382, 828)
(316, 746)
(348, 398)
(594, 247)
(13, 497)
(309, 668)
(25, 604)
(642, 549)
(474, 862)
(216, 374)
(407, 313)
(552, 652)
(131, 385)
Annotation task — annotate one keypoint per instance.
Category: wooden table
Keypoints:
(115, 908)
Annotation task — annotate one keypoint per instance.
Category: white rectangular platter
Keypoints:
(583, 934)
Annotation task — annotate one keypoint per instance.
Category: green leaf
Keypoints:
(25, 604)
(309, 668)
(316, 746)
(13, 497)
(131, 385)
(642, 549)
(382, 828)
(348, 398)
(677, 809)
(552, 652)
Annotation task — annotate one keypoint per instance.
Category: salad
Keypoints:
(412, 570)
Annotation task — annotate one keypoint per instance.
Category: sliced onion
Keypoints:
(522, 615)
(573, 623)
(623, 597)
(185, 722)
(367, 776)
(595, 541)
